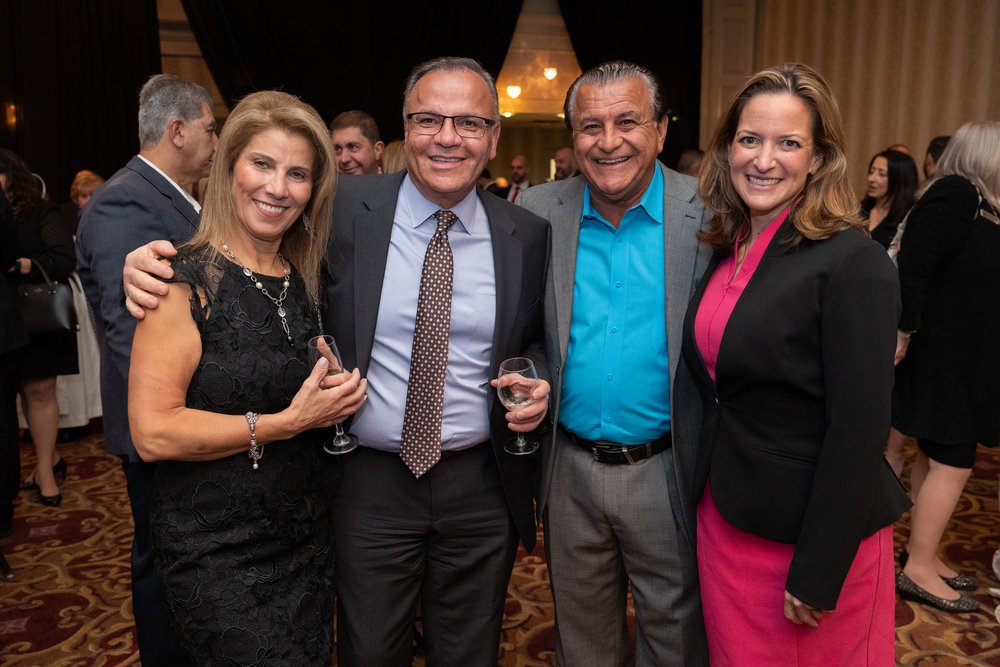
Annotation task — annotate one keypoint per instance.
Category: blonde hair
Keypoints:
(256, 113)
(84, 183)
(973, 152)
(828, 204)
(394, 157)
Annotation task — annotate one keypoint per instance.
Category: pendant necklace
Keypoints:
(263, 290)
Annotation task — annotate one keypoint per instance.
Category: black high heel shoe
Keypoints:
(59, 469)
(960, 582)
(51, 501)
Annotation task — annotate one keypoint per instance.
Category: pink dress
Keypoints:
(743, 576)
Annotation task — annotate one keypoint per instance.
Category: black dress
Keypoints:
(246, 555)
(43, 236)
(948, 385)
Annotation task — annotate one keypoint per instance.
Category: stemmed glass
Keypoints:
(325, 347)
(515, 382)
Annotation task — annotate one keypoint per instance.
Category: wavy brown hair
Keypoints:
(256, 113)
(827, 205)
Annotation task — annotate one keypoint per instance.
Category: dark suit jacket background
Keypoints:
(13, 333)
(135, 206)
(791, 444)
(362, 225)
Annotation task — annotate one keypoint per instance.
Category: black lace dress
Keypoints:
(246, 555)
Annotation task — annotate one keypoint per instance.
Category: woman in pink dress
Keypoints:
(790, 338)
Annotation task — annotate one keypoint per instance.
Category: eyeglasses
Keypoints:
(470, 127)
(624, 125)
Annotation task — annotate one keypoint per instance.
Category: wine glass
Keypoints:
(325, 347)
(515, 382)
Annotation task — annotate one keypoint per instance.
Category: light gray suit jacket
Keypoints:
(561, 203)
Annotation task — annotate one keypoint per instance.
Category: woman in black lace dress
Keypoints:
(220, 370)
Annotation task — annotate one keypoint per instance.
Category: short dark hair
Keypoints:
(360, 120)
(937, 146)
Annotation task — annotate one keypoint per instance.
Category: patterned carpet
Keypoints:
(69, 601)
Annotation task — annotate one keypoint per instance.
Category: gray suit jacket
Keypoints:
(136, 206)
(362, 226)
(561, 203)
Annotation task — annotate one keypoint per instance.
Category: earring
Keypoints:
(307, 221)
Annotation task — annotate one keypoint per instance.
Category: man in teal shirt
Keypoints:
(615, 495)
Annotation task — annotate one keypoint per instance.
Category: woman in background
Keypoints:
(947, 389)
(44, 242)
(892, 187)
(790, 337)
(84, 184)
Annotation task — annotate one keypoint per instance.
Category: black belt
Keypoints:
(452, 454)
(615, 453)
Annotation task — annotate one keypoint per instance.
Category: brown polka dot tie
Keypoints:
(421, 444)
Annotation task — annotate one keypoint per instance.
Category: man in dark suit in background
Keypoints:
(143, 201)
(439, 524)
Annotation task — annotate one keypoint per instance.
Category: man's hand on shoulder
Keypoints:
(143, 275)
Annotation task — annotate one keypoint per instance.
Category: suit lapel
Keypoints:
(565, 235)
(372, 231)
(507, 256)
(681, 222)
(180, 203)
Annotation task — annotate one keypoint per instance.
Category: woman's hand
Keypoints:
(25, 265)
(324, 400)
(141, 275)
(799, 613)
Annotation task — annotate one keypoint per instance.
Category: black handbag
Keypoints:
(46, 307)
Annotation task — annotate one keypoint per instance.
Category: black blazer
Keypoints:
(362, 225)
(137, 205)
(795, 426)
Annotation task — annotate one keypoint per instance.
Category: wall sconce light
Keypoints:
(10, 111)
(550, 73)
(513, 91)
(507, 114)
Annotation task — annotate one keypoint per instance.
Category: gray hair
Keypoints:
(974, 152)
(613, 72)
(451, 64)
(163, 98)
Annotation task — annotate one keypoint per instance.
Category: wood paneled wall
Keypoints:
(904, 71)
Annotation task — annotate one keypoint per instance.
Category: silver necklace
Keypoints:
(263, 290)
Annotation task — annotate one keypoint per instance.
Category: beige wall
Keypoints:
(904, 71)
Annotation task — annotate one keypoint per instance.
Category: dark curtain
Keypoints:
(670, 47)
(73, 69)
(341, 56)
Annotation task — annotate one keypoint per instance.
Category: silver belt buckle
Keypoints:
(627, 453)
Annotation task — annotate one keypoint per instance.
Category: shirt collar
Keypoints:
(651, 202)
(187, 195)
(419, 209)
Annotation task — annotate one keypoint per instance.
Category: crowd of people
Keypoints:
(721, 357)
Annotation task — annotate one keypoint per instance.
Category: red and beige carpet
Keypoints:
(69, 601)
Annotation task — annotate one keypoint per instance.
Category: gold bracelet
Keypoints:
(256, 452)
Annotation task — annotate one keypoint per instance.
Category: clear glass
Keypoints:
(470, 127)
(325, 346)
(515, 382)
